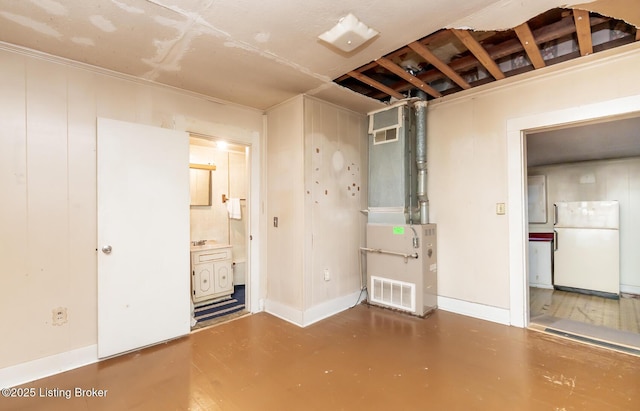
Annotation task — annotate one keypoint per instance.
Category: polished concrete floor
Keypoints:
(365, 358)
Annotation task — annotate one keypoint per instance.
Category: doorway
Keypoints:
(517, 186)
(219, 230)
(592, 165)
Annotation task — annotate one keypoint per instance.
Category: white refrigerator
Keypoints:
(587, 246)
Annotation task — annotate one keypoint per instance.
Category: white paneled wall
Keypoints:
(320, 227)
(595, 181)
(48, 244)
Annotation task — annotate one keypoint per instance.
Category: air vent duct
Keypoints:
(392, 175)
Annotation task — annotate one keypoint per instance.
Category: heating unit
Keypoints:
(401, 262)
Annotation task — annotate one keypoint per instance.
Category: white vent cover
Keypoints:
(385, 125)
(393, 293)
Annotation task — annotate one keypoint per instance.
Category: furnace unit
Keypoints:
(402, 267)
(401, 262)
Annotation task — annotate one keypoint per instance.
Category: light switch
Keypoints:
(500, 208)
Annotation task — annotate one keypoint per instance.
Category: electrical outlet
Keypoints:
(59, 315)
(327, 276)
(500, 208)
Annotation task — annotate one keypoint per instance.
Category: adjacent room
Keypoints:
(243, 205)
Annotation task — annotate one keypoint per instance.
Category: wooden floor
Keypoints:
(622, 314)
(365, 358)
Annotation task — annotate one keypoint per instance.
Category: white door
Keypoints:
(143, 235)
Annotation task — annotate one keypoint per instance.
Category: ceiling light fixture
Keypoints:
(349, 34)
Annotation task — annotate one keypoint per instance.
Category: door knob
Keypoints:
(106, 249)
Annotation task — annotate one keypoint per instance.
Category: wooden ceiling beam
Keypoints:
(400, 72)
(583, 31)
(432, 59)
(481, 54)
(530, 46)
(550, 32)
(544, 34)
(376, 84)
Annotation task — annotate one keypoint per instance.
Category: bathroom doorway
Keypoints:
(219, 230)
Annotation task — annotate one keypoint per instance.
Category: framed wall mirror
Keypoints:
(200, 184)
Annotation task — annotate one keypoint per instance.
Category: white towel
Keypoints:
(233, 207)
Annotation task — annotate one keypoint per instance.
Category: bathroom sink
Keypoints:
(207, 245)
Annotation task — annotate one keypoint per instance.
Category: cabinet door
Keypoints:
(224, 277)
(203, 283)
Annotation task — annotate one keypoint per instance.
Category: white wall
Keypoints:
(601, 180)
(211, 222)
(48, 114)
(470, 167)
(316, 160)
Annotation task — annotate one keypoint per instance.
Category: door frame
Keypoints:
(517, 187)
(252, 143)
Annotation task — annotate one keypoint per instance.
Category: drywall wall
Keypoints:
(48, 114)
(469, 167)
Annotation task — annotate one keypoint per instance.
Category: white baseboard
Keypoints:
(481, 311)
(284, 312)
(630, 289)
(545, 286)
(44, 367)
(329, 308)
(313, 314)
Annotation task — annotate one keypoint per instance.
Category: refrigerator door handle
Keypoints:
(555, 214)
(555, 240)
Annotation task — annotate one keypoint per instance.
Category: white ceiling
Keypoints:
(616, 138)
(253, 53)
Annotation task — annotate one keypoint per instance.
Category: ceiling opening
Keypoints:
(452, 60)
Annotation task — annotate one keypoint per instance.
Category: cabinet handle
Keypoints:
(555, 240)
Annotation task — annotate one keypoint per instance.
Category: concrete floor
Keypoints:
(365, 358)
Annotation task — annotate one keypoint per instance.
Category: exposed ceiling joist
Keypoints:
(449, 64)
(400, 72)
(583, 31)
(481, 54)
(432, 59)
(375, 84)
(530, 46)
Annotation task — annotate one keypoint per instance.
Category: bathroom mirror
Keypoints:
(200, 186)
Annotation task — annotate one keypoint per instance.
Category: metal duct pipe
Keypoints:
(421, 155)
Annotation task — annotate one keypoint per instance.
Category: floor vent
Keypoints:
(393, 293)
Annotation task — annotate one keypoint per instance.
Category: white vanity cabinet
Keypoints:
(211, 272)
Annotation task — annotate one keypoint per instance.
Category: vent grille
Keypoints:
(393, 293)
(385, 136)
